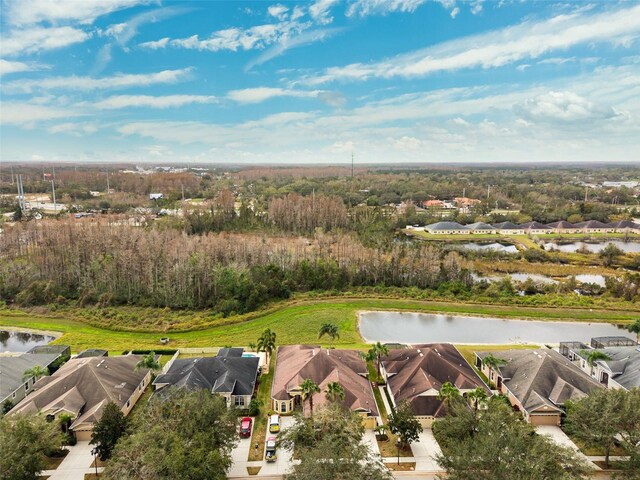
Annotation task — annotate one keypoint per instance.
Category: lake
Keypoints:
(627, 247)
(404, 327)
(12, 341)
(480, 246)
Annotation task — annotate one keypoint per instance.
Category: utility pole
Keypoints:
(53, 189)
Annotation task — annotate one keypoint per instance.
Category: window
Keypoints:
(239, 401)
(14, 395)
(128, 403)
(26, 385)
(284, 407)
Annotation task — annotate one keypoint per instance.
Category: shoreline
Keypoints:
(49, 333)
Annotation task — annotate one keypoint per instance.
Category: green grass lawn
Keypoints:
(297, 322)
(258, 435)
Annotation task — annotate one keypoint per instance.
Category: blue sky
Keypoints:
(436, 81)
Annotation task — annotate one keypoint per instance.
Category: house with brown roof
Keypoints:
(82, 388)
(537, 382)
(415, 375)
(296, 363)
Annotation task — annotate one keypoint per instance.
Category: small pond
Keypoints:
(12, 341)
(480, 247)
(627, 247)
(588, 278)
(404, 327)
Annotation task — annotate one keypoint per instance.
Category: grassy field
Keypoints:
(297, 322)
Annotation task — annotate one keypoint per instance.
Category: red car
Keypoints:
(245, 427)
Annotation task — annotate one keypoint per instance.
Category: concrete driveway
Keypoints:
(369, 439)
(559, 438)
(284, 462)
(77, 462)
(425, 451)
(240, 456)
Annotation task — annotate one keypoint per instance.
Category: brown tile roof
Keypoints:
(83, 386)
(413, 372)
(295, 363)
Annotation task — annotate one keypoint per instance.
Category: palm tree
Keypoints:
(635, 328)
(35, 372)
(148, 361)
(267, 343)
(334, 392)
(330, 330)
(476, 396)
(592, 356)
(375, 354)
(252, 346)
(492, 361)
(309, 387)
(448, 393)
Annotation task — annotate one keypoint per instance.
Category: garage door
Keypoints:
(83, 435)
(544, 419)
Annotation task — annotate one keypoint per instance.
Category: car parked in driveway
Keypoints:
(274, 424)
(245, 427)
(270, 453)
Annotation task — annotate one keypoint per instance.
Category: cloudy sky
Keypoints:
(308, 82)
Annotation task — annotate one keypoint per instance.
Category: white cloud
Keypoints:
(28, 12)
(498, 48)
(156, 44)
(454, 12)
(117, 81)
(278, 11)
(77, 129)
(320, 11)
(166, 101)
(363, 8)
(18, 113)
(7, 67)
(261, 94)
(563, 107)
(37, 39)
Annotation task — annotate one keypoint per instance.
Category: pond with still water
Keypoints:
(404, 327)
(627, 247)
(11, 341)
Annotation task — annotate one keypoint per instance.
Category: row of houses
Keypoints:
(533, 228)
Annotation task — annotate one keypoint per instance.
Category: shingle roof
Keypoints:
(295, 363)
(506, 226)
(82, 387)
(445, 226)
(425, 368)
(624, 224)
(12, 369)
(92, 352)
(562, 224)
(542, 378)
(227, 374)
(480, 226)
(592, 224)
(534, 226)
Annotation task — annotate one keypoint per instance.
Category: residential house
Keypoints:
(447, 228)
(297, 363)
(537, 382)
(435, 204)
(620, 370)
(465, 204)
(508, 228)
(481, 227)
(535, 228)
(563, 227)
(625, 226)
(415, 375)
(594, 226)
(13, 386)
(229, 374)
(83, 386)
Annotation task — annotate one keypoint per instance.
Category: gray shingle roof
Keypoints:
(12, 369)
(480, 226)
(445, 226)
(592, 224)
(624, 365)
(562, 224)
(542, 378)
(534, 226)
(227, 374)
(506, 226)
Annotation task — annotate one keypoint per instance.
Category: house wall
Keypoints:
(239, 401)
(19, 393)
(282, 406)
(131, 401)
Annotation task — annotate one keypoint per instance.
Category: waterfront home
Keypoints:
(447, 228)
(13, 384)
(83, 386)
(297, 363)
(620, 368)
(415, 375)
(481, 227)
(594, 226)
(537, 382)
(231, 374)
(563, 227)
(535, 228)
(508, 228)
(625, 226)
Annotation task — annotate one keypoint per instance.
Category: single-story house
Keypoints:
(594, 226)
(447, 228)
(535, 228)
(625, 226)
(537, 382)
(83, 386)
(563, 227)
(415, 375)
(481, 227)
(229, 374)
(508, 228)
(297, 363)
(622, 370)
(433, 204)
(13, 386)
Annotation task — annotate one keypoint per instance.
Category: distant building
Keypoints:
(508, 228)
(433, 204)
(535, 228)
(563, 227)
(627, 184)
(625, 226)
(481, 227)
(447, 228)
(594, 226)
